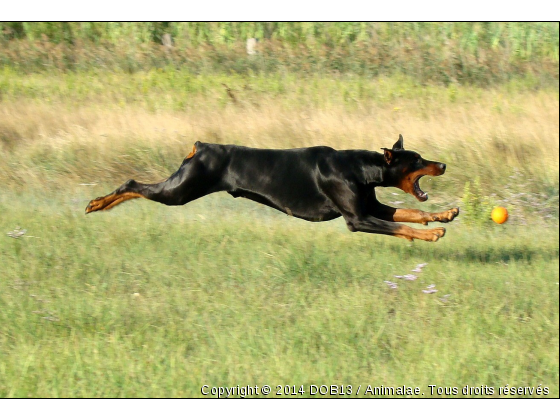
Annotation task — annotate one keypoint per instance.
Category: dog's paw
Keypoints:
(95, 205)
(436, 234)
(446, 216)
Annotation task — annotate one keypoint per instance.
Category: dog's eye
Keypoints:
(419, 160)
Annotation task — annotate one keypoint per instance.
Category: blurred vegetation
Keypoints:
(483, 97)
(155, 301)
(150, 301)
(476, 206)
(105, 127)
(444, 53)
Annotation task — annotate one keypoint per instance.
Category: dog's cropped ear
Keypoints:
(399, 145)
(388, 155)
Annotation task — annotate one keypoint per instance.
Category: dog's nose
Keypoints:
(442, 166)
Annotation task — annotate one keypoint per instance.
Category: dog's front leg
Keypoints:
(354, 209)
(391, 214)
(371, 224)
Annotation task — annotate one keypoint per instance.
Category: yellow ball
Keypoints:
(499, 215)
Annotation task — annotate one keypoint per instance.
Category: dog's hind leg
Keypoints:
(191, 181)
(130, 190)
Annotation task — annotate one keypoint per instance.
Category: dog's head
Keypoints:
(404, 169)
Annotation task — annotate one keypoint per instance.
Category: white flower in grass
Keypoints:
(409, 277)
(17, 233)
(430, 289)
(419, 267)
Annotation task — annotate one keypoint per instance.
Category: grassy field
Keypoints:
(154, 301)
(149, 301)
(476, 53)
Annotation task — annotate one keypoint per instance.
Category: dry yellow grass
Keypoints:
(485, 137)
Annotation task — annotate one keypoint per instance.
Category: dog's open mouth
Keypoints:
(418, 193)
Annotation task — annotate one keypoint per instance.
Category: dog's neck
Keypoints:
(372, 168)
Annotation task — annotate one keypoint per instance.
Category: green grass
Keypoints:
(478, 53)
(525, 39)
(181, 90)
(232, 293)
(154, 301)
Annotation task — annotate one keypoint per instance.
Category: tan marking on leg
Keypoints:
(419, 216)
(110, 201)
(410, 216)
(430, 235)
(191, 154)
(289, 212)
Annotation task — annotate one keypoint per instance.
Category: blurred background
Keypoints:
(482, 95)
(482, 53)
(144, 300)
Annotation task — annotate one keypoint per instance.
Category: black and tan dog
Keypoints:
(315, 184)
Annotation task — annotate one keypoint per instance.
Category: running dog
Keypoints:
(315, 184)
